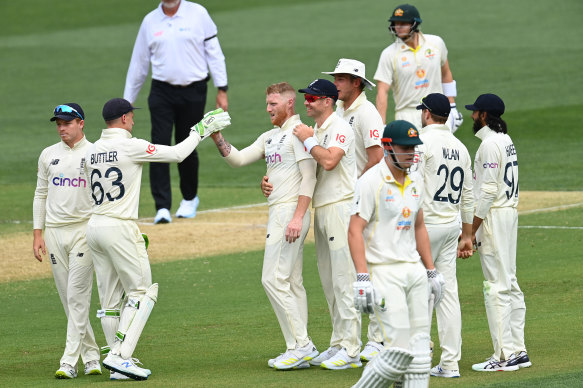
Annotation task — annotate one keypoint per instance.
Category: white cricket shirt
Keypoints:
(182, 49)
(61, 196)
(495, 172)
(412, 74)
(446, 167)
(367, 124)
(390, 210)
(337, 184)
(114, 167)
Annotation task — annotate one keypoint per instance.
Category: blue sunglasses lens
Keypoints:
(67, 109)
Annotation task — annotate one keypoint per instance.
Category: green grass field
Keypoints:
(214, 325)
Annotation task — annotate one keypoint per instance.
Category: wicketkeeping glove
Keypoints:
(456, 118)
(212, 121)
(437, 283)
(365, 296)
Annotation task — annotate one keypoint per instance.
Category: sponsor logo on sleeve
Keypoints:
(151, 149)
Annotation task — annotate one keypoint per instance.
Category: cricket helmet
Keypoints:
(405, 13)
(402, 133)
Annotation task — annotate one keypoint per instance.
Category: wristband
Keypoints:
(449, 89)
(310, 143)
(452, 105)
(223, 88)
(362, 277)
(431, 273)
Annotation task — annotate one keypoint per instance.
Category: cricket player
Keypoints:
(414, 66)
(292, 171)
(392, 256)
(495, 230)
(114, 167)
(366, 122)
(331, 143)
(62, 208)
(446, 170)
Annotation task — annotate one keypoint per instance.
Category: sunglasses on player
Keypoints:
(311, 98)
(67, 109)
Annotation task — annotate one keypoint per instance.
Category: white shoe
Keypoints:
(297, 358)
(521, 359)
(370, 350)
(117, 376)
(187, 209)
(438, 371)
(493, 365)
(93, 367)
(325, 355)
(162, 217)
(66, 371)
(341, 361)
(126, 367)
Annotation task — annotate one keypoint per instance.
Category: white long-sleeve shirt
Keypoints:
(446, 167)
(495, 172)
(114, 167)
(61, 196)
(181, 49)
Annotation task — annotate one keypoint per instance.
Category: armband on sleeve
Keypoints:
(449, 89)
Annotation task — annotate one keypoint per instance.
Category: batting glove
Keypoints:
(212, 122)
(437, 283)
(365, 296)
(455, 118)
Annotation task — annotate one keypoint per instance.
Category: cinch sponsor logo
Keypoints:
(61, 180)
(490, 165)
(273, 158)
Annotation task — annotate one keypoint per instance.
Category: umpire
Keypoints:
(179, 39)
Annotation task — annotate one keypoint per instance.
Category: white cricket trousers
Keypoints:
(282, 275)
(444, 241)
(411, 115)
(73, 273)
(121, 262)
(405, 288)
(503, 298)
(337, 273)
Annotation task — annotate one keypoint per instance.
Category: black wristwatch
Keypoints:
(223, 88)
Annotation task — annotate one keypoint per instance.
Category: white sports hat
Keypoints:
(353, 67)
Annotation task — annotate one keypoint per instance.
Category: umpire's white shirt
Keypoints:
(181, 48)
(390, 210)
(495, 172)
(337, 184)
(114, 165)
(446, 167)
(61, 196)
(367, 124)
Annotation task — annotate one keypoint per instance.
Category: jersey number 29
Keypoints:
(453, 186)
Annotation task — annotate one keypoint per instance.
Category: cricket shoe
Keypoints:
(162, 217)
(93, 367)
(187, 209)
(342, 360)
(325, 355)
(438, 371)
(297, 358)
(493, 365)
(370, 350)
(66, 371)
(521, 359)
(117, 376)
(126, 367)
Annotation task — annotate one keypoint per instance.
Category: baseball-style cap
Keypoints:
(115, 108)
(488, 102)
(436, 103)
(68, 112)
(352, 67)
(401, 132)
(321, 87)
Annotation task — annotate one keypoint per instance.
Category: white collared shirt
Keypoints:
(181, 48)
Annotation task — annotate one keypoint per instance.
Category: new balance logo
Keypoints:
(54, 162)
(127, 364)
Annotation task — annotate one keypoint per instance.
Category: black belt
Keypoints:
(193, 84)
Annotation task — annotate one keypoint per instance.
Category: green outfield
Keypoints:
(214, 326)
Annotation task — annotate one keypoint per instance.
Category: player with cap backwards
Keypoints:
(331, 143)
(392, 256)
(62, 208)
(495, 230)
(414, 65)
(292, 171)
(366, 122)
(446, 168)
(114, 167)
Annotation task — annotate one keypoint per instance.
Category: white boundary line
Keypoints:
(549, 227)
(549, 209)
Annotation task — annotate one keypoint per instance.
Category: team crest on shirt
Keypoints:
(421, 73)
(429, 53)
(414, 192)
(151, 149)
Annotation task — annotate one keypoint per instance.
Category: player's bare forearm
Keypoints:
(375, 154)
(38, 244)
(266, 187)
(381, 99)
(294, 228)
(222, 100)
(465, 247)
(356, 243)
(447, 77)
(327, 158)
(476, 225)
(423, 244)
(222, 144)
